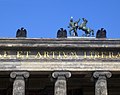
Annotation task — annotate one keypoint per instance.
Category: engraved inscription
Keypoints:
(59, 54)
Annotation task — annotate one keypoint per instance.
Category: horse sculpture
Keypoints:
(87, 30)
(74, 26)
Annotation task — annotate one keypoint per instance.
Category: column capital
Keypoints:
(15, 74)
(101, 83)
(19, 82)
(61, 73)
(97, 74)
(60, 84)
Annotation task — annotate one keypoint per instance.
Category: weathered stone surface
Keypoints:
(19, 83)
(60, 87)
(101, 84)
(68, 66)
(72, 54)
(68, 43)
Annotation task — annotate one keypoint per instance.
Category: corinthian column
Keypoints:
(19, 82)
(101, 83)
(60, 84)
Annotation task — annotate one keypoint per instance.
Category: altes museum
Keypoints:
(66, 54)
(73, 65)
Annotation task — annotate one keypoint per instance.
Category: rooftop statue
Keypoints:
(101, 33)
(61, 33)
(73, 27)
(87, 30)
(21, 32)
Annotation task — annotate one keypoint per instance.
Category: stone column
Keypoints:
(19, 82)
(60, 84)
(101, 83)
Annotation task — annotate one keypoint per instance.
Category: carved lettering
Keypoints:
(6, 54)
(91, 54)
(97, 55)
(27, 54)
(111, 55)
(59, 54)
(74, 55)
(46, 54)
(104, 55)
(118, 55)
(38, 55)
(53, 54)
(19, 54)
(65, 55)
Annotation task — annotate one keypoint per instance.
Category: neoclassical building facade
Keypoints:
(64, 66)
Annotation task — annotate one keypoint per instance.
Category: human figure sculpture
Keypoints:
(101, 33)
(21, 32)
(61, 33)
(73, 27)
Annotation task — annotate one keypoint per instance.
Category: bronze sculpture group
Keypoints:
(74, 26)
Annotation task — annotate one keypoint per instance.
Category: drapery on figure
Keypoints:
(21, 32)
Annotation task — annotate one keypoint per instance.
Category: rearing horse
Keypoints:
(87, 30)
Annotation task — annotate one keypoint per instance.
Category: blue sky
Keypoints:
(42, 18)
